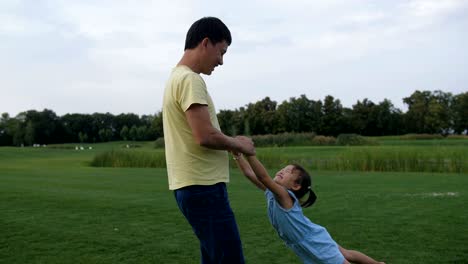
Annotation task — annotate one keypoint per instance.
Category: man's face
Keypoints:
(214, 56)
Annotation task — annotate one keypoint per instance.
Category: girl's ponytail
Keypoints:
(305, 181)
(310, 200)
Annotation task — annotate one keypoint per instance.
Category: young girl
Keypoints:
(311, 242)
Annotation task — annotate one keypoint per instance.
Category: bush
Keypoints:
(421, 136)
(159, 143)
(457, 136)
(354, 140)
(284, 139)
(324, 141)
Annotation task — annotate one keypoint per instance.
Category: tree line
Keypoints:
(428, 112)
(45, 127)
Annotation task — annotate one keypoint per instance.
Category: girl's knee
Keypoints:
(346, 253)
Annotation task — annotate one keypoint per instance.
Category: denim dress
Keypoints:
(311, 242)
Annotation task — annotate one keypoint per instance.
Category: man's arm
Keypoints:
(208, 136)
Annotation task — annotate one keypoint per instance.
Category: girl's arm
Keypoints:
(281, 194)
(247, 170)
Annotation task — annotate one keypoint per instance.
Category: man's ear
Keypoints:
(205, 42)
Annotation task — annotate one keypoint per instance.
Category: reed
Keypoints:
(135, 159)
(449, 159)
(379, 158)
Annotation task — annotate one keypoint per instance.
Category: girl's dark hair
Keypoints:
(208, 27)
(305, 181)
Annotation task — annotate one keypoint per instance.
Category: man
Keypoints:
(196, 149)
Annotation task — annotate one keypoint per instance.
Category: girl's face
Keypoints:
(287, 177)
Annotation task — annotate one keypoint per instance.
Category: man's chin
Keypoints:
(208, 73)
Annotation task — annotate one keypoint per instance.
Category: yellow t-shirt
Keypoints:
(187, 162)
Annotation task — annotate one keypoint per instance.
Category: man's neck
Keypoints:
(191, 60)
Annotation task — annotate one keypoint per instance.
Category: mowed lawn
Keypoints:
(54, 208)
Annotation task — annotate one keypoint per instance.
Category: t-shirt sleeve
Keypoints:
(193, 92)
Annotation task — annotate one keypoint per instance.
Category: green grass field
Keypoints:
(55, 208)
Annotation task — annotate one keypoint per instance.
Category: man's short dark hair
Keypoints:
(208, 27)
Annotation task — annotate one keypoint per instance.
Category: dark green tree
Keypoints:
(156, 129)
(439, 118)
(460, 113)
(74, 124)
(428, 112)
(389, 120)
(6, 135)
(133, 133)
(100, 121)
(124, 133)
(363, 118)
(333, 118)
(83, 137)
(128, 120)
(226, 122)
(299, 115)
(38, 127)
(142, 133)
(105, 134)
(262, 116)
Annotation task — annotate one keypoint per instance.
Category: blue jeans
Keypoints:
(208, 211)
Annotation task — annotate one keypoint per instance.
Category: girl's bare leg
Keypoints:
(357, 257)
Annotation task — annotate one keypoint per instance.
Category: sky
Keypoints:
(87, 56)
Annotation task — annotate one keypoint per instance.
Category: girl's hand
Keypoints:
(249, 142)
(236, 155)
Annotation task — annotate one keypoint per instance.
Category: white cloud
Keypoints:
(367, 17)
(11, 24)
(434, 8)
(417, 14)
(124, 50)
(144, 19)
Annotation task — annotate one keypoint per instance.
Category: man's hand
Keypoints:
(246, 145)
